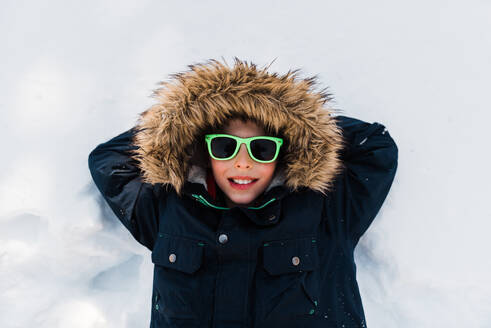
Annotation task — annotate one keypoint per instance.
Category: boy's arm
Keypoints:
(117, 177)
(370, 159)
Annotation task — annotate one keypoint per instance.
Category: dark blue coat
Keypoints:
(286, 262)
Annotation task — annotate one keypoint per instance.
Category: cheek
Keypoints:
(218, 167)
(267, 171)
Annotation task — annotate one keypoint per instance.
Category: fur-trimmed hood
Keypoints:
(209, 94)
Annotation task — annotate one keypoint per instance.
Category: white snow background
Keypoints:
(77, 73)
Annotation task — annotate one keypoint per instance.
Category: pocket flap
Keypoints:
(178, 253)
(292, 255)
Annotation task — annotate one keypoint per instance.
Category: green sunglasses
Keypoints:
(262, 149)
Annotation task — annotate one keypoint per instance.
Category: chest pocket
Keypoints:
(293, 255)
(178, 253)
(288, 285)
(178, 283)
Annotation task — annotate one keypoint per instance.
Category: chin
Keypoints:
(242, 201)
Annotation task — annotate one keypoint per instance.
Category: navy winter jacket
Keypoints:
(288, 260)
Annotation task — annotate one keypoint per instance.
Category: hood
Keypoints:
(208, 94)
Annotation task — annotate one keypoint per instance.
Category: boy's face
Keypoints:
(243, 167)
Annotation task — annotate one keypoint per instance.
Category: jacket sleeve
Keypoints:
(370, 162)
(135, 203)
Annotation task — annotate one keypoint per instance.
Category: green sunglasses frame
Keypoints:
(247, 142)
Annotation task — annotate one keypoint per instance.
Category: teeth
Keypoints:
(242, 181)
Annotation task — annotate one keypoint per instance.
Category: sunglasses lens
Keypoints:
(223, 147)
(263, 149)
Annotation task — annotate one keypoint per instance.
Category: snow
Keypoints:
(75, 74)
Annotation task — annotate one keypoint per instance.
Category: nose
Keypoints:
(243, 159)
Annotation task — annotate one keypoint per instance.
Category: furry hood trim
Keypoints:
(210, 93)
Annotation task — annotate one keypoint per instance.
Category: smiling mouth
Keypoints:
(241, 186)
(242, 180)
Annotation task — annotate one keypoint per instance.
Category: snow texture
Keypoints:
(76, 73)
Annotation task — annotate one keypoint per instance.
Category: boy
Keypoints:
(251, 197)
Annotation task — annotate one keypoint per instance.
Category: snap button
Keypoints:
(172, 258)
(295, 260)
(223, 238)
(272, 217)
